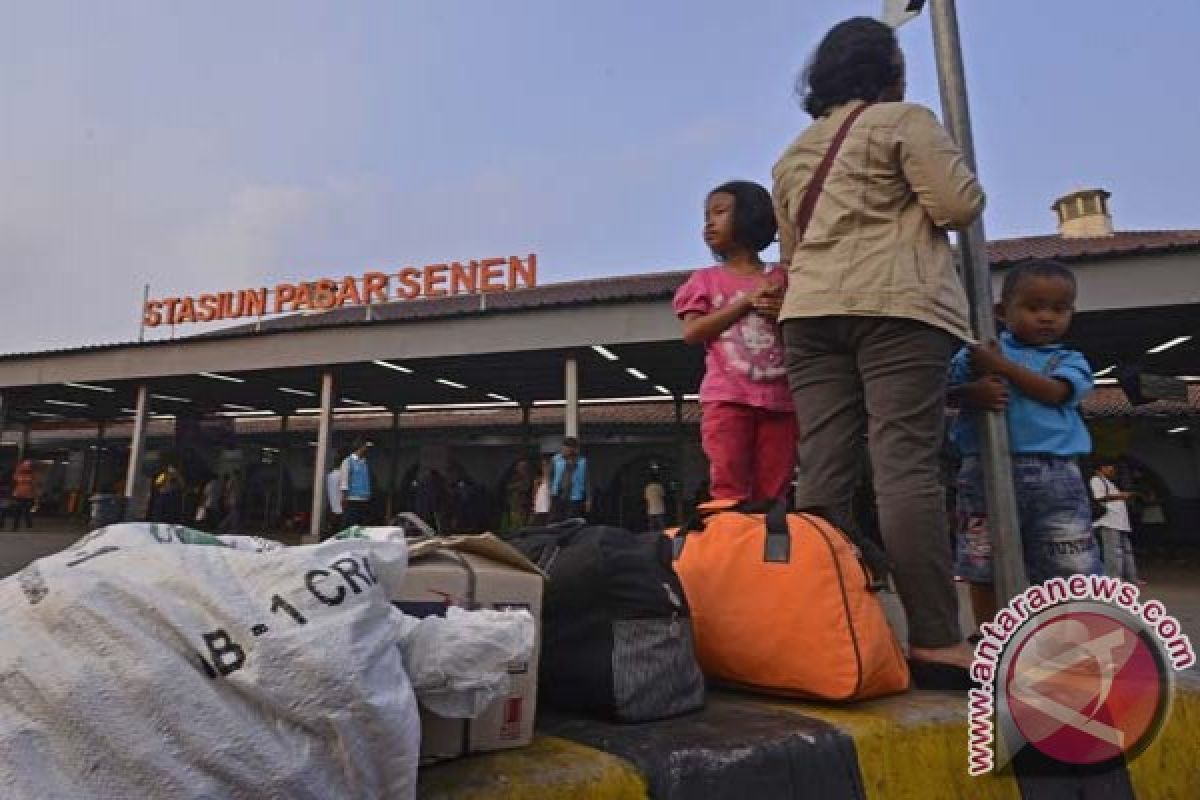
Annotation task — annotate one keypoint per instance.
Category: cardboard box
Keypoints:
(476, 572)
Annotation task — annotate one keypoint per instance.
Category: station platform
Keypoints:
(743, 747)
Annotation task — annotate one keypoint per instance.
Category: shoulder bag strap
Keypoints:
(809, 202)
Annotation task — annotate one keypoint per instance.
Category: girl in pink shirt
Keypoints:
(748, 427)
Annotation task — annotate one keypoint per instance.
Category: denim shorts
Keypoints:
(1054, 513)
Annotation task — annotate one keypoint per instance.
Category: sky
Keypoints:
(223, 145)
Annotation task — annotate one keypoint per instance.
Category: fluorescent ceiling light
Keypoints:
(458, 406)
(1106, 381)
(601, 401)
(90, 387)
(170, 397)
(360, 409)
(68, 403)
(1105, 371)
(499, 397)
(637, 373)
(128, 410)
(352, 402)
(604, 351)
(662, 389)
(218, 377)
(1180, 429)
(389, 365)
(1189, 378)
(43, 414)
(301, 392)
(1168, 345)
(451, 384)
(691, 397)
(251, 413)
(236, 407)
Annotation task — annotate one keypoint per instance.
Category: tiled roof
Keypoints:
(655, 286)
(1110, 401)
(1123, 243)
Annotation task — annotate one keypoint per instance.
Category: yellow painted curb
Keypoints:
(1169, 769)
(913, 747)
(549, 768)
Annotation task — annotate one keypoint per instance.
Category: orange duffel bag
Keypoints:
(783, 603)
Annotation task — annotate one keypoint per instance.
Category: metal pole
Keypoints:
(283, 454)
(391, 495)
(325, 423)
(137, 447)
(142, 314)
(527, 431)
(25, 442)
(3, 417)
(681, 455)
(1007, 557)
(97, 461)
(571, 411)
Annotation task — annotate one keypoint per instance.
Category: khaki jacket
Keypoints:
(876, 245)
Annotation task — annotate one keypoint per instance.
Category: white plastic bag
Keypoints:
(458, 664)
(137, 666)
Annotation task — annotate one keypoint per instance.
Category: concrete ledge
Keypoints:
(743, 747)
(548, 768)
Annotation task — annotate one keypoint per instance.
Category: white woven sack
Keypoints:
(134, 665)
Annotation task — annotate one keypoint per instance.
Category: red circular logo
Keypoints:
(1085, 687)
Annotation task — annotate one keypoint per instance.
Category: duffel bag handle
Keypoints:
(778, 545)
(694, 522)
(563, 529)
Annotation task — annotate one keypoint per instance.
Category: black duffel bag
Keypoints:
(616, 632)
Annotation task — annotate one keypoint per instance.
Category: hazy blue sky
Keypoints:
(202, 146)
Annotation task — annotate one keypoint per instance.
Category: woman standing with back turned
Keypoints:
(873, 312)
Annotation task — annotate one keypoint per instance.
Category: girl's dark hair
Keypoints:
(754, 223)
(855, 61)
(1034, 268)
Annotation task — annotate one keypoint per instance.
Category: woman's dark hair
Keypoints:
(855, 61)
(1034, 268)
(754, 223)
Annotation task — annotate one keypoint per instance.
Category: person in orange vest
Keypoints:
(24, 494)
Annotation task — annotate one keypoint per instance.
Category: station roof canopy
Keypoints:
(497, 348)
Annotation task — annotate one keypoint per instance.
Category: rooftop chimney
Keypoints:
(1084, 214)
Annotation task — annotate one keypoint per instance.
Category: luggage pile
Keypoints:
(148, 658)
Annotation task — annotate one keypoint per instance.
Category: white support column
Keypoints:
(324, 429)
(24, 442)
(98, 460)
(571, 411)
(393, 478)
(137, 446)
(282, 463)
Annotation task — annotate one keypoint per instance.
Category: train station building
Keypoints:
(467, 367)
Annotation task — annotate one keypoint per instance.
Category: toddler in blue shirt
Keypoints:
(1039, 384)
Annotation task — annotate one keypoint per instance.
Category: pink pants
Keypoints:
(751, 451)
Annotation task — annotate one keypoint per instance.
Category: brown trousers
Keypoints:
(886, 378)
